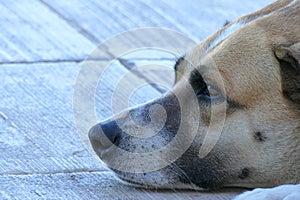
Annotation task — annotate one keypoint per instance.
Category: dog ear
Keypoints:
(289, 59)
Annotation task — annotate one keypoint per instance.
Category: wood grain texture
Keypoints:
(37, 111)
(42, 155)
(37, 132)
(43, 151)
(85, 186)
(31, 32)
(102, 20)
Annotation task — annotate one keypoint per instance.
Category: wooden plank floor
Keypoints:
(43, 45)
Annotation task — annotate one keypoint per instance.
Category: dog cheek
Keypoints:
(209, 172)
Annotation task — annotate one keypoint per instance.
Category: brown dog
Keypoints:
(245, 79)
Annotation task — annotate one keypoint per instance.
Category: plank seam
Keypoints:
(130, 65)
(52, 61)
(74, 25)
(54, 172)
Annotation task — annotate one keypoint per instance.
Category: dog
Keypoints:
(232, 118)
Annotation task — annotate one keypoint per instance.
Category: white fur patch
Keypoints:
(225, 34)
(283, 192)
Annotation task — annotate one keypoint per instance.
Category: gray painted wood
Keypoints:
(95, 185)
(101, 20)
(199, 19)
(31, 32)
(37, 133)
(42, 153)
(42, 156)
(36, 110)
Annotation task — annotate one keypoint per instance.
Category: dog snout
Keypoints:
(104, 135)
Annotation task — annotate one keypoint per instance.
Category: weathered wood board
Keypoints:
(42, 155)
(86, 186)
(31, 32)
(43, 151)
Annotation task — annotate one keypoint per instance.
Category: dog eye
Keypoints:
(209, 93)
(213, 92)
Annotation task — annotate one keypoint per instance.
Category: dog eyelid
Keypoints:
(213, 91)
(178, 61)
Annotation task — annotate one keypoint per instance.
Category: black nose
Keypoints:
(104, 135)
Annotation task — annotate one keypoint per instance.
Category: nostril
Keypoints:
(111, 131)
(104, 135)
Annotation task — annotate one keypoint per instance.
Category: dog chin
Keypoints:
(241, 185)
(176, 186)
(154, 186)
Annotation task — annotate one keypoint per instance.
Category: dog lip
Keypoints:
(178, 186)
(103, 153)
(100, 144)
(239, 185)
(133, 183)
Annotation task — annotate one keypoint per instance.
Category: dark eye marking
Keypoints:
(211, 93)
(204, 91)
(244, 173)
(233, 106)
(226, 23)
(260, 137)
(198, 84)
(178, 61)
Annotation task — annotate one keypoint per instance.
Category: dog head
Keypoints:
(244, 79)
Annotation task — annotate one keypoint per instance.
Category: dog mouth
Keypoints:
(171, 177)
(176, 185)
(152, 186)
(132, 183)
